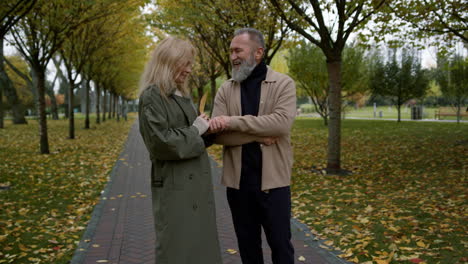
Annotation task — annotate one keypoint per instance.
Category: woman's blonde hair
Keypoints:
(169, 56)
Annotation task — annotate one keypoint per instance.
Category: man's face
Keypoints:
(245, 55)
(241, 50)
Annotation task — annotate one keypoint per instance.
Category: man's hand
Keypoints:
(268, 140)
(219, 123)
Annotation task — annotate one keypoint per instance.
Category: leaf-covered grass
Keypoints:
(44, 213)
(406, 200)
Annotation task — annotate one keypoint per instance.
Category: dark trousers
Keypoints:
(253, 209)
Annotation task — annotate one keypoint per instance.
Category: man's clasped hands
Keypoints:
(221, 123)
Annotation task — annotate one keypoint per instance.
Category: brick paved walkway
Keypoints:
(121, 228)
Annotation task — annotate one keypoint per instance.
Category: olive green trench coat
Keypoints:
(182, 190)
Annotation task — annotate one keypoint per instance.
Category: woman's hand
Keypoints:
(201, 123)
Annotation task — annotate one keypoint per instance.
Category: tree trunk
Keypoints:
(1, 105)
(3, 82)
(109, 115)
(213, 90)
(399, 111)
(200, 95)
(66, 100)
(87, 105)
(112, 103)
(125, 109)
(71, 114)
(10, 93)
(334, 126)
(53, 101)
(114, 106)
(98, 104)
(39, 77)
(104, 106)
(118, 107)
(17, 107)
(321, 107)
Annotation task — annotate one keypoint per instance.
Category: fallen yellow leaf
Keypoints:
(231, 251)
(420, 244)
(381, 261)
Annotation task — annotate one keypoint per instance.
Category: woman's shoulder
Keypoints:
(151, 94)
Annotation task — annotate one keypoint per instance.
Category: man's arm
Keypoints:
(234, 138)
(278, 123)
(231, 138)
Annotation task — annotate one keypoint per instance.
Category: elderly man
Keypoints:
(254, 112)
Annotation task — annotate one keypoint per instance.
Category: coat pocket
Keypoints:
(162, 174)
(156, 179)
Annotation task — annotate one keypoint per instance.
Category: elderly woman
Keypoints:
(182, 190)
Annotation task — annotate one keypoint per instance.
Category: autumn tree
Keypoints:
(18, 72)
(452, 76)
(329, 25)
(205, 71)
(444, 21)
(11, 11)
(214, 22)
(38, 36)
(400, 79)
(75, 52)
(210, 24)
(116, 66)
(307, 65)
(63, 85)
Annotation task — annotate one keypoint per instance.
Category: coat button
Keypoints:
(195, 207)
(190, 176)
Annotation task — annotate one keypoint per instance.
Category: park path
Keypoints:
(121, 228)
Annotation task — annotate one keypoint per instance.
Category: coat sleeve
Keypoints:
(234, 138)
(278, 123)
(165, 143)
(231, 138)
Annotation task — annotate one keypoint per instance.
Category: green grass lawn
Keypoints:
(387, 112)
(392, 113)
(44, 214)
(405, 200)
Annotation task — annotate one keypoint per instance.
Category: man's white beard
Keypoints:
(245, 69)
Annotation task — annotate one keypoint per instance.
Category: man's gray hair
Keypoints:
(254, 35)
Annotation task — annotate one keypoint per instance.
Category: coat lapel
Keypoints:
(187, 108)
(236, 91)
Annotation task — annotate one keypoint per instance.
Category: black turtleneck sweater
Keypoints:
(251, 171)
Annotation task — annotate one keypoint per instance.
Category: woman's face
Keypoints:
(183, 72)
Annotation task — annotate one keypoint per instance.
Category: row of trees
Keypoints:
(397, 76)
(101, 42)
(326, 25)
(209, 24)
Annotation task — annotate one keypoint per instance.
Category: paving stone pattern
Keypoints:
(121, 229)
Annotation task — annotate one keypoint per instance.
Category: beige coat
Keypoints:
(275, 118)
